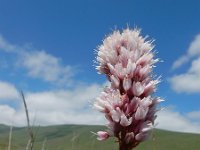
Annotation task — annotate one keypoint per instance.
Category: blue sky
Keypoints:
(47, 50)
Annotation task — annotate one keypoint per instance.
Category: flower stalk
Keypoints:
(127, 60)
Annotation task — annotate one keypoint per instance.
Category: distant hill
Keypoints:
(4, 128)
(79, 137)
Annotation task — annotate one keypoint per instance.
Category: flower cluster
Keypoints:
(127, 60)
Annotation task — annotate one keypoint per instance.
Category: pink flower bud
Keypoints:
(137, 88)
(130, 68)
(141, 112)
(115, 115)
(125, 121)
(127, 83)
(114, 81)
(102, 135)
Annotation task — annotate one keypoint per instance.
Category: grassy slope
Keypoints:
(74, 137)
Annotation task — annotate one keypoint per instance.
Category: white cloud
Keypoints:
(188, 82)
(59, 107)
(180, 61)
(38, 63)
(194, 115)
(8, 91)
(7, 114)
(172, 120)
(6, 46)
(193, 51)
(42, 65)
(194, 48)
(65, 106)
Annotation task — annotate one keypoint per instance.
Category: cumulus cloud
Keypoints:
(180, 61)
(188, 81)
(172, 120)
(7, 114)
(57, 107)
(8, 91)
(193, 51)
(38, 63)
(194, 115)
(6, 46)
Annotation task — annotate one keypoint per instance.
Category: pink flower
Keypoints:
(127, 60)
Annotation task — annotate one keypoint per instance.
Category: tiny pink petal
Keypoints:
(125, 121)
(127, 82)
(114, 81)
(137, 88)
(141, 113)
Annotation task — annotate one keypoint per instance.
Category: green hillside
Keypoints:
(79, 137)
